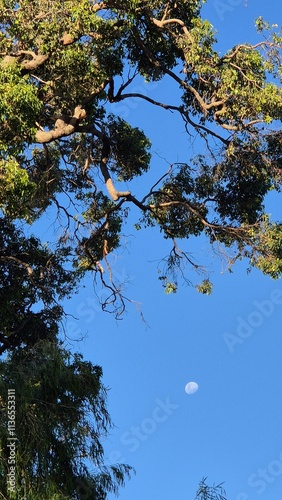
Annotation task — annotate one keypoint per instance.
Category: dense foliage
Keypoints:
(63, 65)
(60, 422)
(33, 282)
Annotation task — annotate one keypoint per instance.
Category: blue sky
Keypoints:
(230, 343)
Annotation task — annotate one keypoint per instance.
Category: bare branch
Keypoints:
(179, 109)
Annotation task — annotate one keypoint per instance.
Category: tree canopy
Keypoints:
(63, 66)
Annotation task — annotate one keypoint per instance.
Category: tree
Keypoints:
(60, 421)
(59, 412)
(59, 416)
(33, 281)
(62, 67)
(205, 492)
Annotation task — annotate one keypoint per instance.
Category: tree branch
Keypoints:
(115, 195)
(167, 71)
(18, 261)
(27, 64)
(64, 126)
(171, 107)
(164, 22)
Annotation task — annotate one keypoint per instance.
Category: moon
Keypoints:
(191, 387)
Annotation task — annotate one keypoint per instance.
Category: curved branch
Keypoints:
(64, 126)
(34, 63)
(167, 71)
(28, 268)
(165, 22)
(238, 233)
(171, 107)
(114, 193)
(237, 48)
(27, 64)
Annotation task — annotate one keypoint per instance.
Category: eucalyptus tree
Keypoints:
(64, 65)
(33, 281)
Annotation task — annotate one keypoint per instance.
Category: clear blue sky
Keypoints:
(230, 343)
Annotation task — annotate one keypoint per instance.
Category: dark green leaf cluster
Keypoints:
(130, 149)
(60, 419)
(175, 208)
(33, 280)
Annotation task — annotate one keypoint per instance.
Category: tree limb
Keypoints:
(115, 195)
(27, 64)
(64, 126)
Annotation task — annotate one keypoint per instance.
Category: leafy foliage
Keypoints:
(16, 190)
(33, 280)
(61, 418)
(18, 108)
(64, 65)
